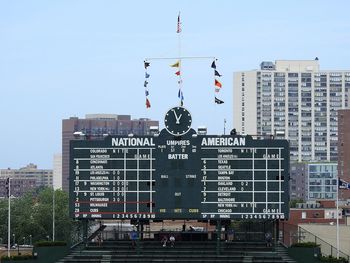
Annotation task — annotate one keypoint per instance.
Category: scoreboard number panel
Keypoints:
(245, 179)
(112, 178)
(173, 176)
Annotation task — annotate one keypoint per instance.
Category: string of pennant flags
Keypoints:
(217, 83)
(178, 73)
(180, 94)
(147, 75)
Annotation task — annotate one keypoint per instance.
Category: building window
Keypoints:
(303, 215)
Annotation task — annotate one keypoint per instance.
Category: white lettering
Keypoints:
(227, 141)
(132, 142)
(177, 156)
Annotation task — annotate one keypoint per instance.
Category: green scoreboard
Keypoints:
(178, 174)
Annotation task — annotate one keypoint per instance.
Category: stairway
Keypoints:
(183, 251)
(282, 251)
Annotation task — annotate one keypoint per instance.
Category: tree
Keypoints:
(293, 203)
(31, 215)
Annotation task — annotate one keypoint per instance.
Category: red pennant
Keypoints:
(177, 73)
(218, 84)
(148, 104)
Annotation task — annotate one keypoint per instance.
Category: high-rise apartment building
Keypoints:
(294, 98)
(344, 150)
(25, 179)
(98, 125)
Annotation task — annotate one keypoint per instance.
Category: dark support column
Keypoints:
(218, 236)
(141, 230)
(277, 232)
(85, 231)
(226, 231)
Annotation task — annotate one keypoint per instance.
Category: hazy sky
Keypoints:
(68, 58)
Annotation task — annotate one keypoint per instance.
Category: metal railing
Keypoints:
(293, 234)
(326, 248)
(120, 234)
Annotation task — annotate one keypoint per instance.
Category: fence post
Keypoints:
(218, 238)
(331, 250)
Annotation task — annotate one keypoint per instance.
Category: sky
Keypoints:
(67, 58)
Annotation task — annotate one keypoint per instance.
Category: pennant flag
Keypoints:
(218, 84)
(217, 90)
(178, 30)
(148, 104)
(218, 101)
(145, 84)
(146, 93)
(343, 184)
(147, 64)
(213, 65)
(182, 103)
(180, 95)
(147, 75)
(177, 73)
(176, 65)
(217, 73)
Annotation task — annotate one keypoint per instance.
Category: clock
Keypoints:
(178, 121)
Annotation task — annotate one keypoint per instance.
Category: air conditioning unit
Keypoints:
(154, 130)
(202, 130)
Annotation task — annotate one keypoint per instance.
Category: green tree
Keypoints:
(293, 203)
(31, 215)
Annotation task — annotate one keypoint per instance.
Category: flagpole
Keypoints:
(338, 219)
(179, 30)
(179, 66)
(224, 126)
(9, 219)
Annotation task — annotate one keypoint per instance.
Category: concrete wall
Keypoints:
(328, 234)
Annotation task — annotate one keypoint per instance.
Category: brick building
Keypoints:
(97, 125)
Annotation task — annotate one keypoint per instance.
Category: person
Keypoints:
(133, 236)
(164, 240)
(231, 235)
(268, 239)
(172, 240)
(99, 239)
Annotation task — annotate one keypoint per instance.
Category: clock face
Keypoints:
(178, 121)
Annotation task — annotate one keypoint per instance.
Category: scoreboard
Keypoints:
(187, 176)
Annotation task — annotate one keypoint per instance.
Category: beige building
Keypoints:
(25, 179)
(296, 99)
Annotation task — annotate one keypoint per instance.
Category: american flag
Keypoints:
(178, 24)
